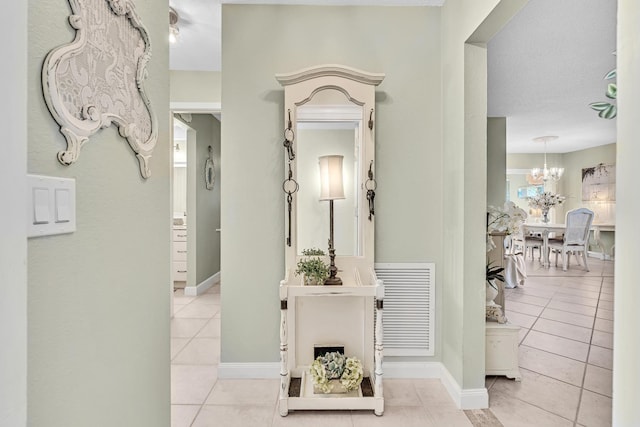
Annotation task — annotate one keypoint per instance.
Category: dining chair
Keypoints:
(576, 237)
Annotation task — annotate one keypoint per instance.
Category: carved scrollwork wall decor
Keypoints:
(97, 79)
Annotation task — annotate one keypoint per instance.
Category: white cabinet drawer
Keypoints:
(180, 271)
(179, 251)
(179, 235)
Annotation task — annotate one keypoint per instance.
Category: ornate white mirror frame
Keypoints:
(359, 89)
(97, 79)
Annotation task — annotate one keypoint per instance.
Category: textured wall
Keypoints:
(98, 299)
(260, 41)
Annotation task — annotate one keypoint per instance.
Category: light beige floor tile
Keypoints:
(186, 328)
(558, 345)
(177, 344)
(544, 392)
(572, 308)
(577, 292)
(522, 320)
(528, 299)
(433, 394)
(512, 411)
(319, 418)
(537, 291)
(551, 365)
(606, 297)
(603, 325)
(191, 384)
(489, 380)
(197, 311)
(600, 356)
(604, 314)
(208, 299)
(410, 416)
(400, 393)
(568, 317)
(180, 298)
(245, 392)
(520, 307)
(607, 290)
(522, 334)
(234, 416)
(183, 415)
(574, 299)
(602, 339)
(199, 351)
(607, 305)
(598, 380)
(211, 329)
(441, 417)
(561, 329)
(595, 410)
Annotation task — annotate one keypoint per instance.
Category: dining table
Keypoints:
(545, 229)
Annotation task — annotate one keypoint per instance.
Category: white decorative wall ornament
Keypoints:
(209, 172)
(97, 79)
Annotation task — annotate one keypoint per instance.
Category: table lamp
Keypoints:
(331, 188)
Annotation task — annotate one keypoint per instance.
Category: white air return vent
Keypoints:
(409, 302)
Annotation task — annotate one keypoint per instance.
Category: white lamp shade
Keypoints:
(331, 184)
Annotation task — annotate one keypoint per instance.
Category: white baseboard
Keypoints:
(599, 255)
(249, 370)
(471, 398)
(194, 291)
(477, 398)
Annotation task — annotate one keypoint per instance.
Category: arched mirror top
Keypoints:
(329, 111)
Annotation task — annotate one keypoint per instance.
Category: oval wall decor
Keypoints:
(97, 79)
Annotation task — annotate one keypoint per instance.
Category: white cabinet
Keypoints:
(330, 316)
(179, 254)
(502, 350)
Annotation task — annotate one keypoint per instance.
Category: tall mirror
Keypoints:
(320, 134)
(330, 110)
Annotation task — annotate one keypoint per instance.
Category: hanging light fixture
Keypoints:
(174, 31)
(546, 173)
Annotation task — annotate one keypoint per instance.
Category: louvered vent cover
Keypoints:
(409, 302)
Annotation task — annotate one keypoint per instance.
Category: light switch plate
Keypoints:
(52, 205)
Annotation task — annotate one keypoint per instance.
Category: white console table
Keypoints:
(502, 350)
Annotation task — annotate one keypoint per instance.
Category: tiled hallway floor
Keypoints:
(566, 342)
(565, 359)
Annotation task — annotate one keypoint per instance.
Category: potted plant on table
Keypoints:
(313, 268)
(493, 275)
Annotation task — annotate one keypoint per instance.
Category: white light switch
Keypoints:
(40, 205)
(62, 205)
(52, 205)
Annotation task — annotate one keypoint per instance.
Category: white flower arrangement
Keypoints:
(545, 200)
(507, 219)
(334, 366)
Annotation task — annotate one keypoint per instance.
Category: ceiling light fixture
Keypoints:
(174, 31)
(546, 173)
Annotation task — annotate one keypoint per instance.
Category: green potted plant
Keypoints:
(493, 273)
(313, 268)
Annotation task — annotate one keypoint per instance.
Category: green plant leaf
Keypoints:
(610, 75)
(599, 106)
(612, 91)
(609, 113)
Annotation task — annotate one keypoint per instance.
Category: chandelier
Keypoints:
(546, 173)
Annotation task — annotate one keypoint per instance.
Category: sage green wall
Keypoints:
(496, 160)
(98, 299)
(260, 41)
(195, 86)
(626, 336)
(464, 202)
(207, 238)
(13, 245)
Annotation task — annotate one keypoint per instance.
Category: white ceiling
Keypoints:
(545, 66)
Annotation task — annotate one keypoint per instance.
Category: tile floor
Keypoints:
(566, 342)
(565, 360)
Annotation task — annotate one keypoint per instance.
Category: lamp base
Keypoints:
(333, 281)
